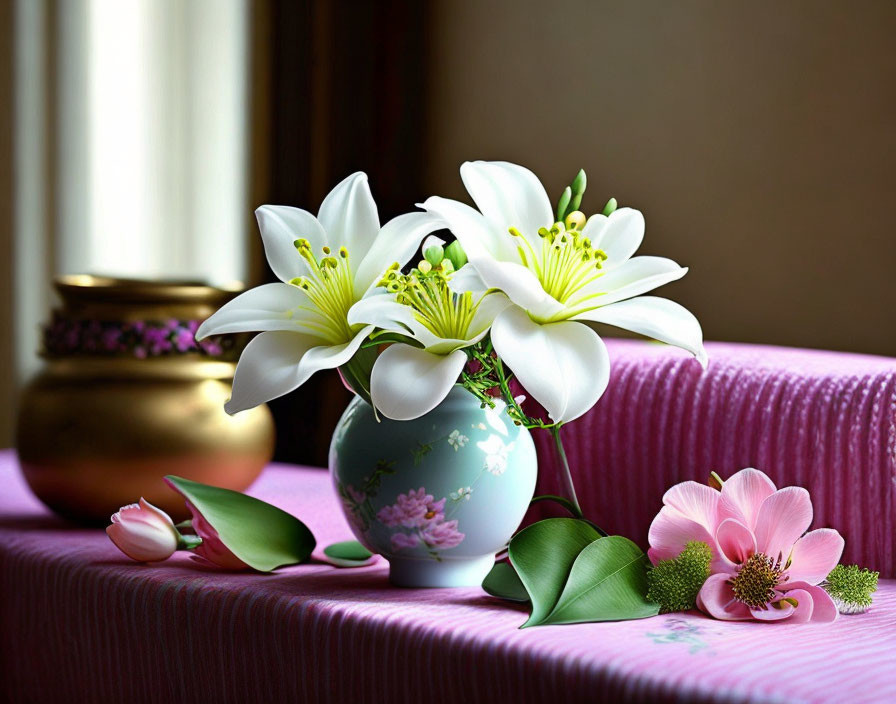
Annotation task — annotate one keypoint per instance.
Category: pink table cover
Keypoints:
(81, 622)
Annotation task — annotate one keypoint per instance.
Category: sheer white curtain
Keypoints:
(131, 144)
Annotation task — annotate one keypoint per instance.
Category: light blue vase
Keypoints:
(437, 496)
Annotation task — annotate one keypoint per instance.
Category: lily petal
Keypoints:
(349, 215)
(564, 366)
(520, 285)
(489, 308)
(280, 227)
(472, 230)
(631, 278)
(467, 279)
(509, 195)
(386, 313)
(783, 517)
(407, 382)
(396, 242)
(659, 318)
(618, 235)
(815, 555)
(267, 307)
(275, 363)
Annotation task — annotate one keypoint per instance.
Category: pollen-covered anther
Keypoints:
(755, 582)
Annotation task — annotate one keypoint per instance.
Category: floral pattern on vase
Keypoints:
(441, 494)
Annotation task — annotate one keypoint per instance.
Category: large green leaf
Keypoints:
(608, 582)
(504, 583)
(261, 535)
(543, 555)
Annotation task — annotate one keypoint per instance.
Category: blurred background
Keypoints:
(759, 139)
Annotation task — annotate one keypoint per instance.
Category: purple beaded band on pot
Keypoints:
(140, 339)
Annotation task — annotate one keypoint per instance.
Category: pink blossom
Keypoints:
(442, 535)
(403, 540)
(413, 510)
(357, 496)
(143, 532)
(212, 548)
(765, 566)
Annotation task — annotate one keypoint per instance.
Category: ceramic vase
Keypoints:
(437, 496)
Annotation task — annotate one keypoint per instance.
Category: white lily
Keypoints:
(408, 381)
(559, 276)
(326, 264)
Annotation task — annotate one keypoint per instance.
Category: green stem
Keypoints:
(188, 542)
(568, 505)
(565, 474)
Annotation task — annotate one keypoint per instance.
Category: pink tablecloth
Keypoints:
(82, 623)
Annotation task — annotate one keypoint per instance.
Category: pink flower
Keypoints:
(765, 566)
(143, 532)
(211, 547)
(403, 540)
(442, 535)
(413, 510)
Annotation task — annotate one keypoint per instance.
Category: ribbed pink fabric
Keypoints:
(82, 623)
(822, 420)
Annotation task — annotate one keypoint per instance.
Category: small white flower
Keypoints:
(463, 493)
(457, 440)
(479, 426)
(496, 452)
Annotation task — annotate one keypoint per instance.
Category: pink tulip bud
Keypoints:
(143, 532)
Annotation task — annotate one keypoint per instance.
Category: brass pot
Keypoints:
(104, 421)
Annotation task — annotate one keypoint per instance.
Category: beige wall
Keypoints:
(758, 138)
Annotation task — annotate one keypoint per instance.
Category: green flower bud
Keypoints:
(610, 207)
(851, 588)
(434, 254)
(579, 183)
(674, 584)
(563, 203)
(455, 253)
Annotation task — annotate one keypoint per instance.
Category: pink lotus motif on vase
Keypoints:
(425, 516)
(765, 565)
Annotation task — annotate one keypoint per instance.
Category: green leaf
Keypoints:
(543, 555)
(349, 553)
(261, 535)
(608, 582)
(504, 583)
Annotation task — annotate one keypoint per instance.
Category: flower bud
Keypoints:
(143, 532)
(434, 254)
(456, 254)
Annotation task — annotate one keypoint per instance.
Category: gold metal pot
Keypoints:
(99, 428)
